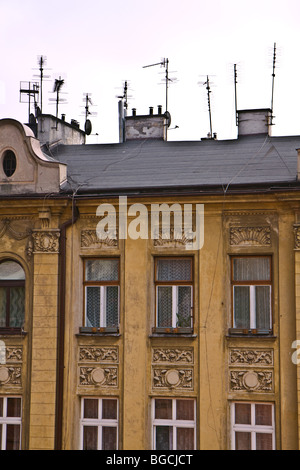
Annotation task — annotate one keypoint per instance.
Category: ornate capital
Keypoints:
(46, 241)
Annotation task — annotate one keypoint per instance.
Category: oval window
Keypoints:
(9, 163)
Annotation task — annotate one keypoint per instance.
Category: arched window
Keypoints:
(12, 295)
(9, 163)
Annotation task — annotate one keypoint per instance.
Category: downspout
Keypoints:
(61, 327)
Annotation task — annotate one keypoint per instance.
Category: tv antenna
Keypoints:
(58, 83)
(88, 124)
(41, 63)
(124, 97)
(235, 93)
(29, 91)
(163, 63)
(207, 83)
(273, 80)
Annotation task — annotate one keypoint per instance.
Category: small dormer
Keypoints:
(24, 168)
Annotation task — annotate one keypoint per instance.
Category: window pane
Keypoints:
(184, 306)
(174, 270)
(263, 415)
(1, 437)
(1, 406)
(90, 408)
(163, 409)
(243, 441)
(109, 409)
(90, 437)
(164, 306)
(242, 413)
(185, 409)
(14, 407)
(109, 438)
(17, 306)
(11, 271)
(112, 305)
(262, 295)
(92, 306)
(102, 270)
(164, 438)
(264, 441)
(241, 306)
(185, 439)
(2, 306)
(13, 437)
(251, 269)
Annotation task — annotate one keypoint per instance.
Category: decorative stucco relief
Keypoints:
(176, 240)
(297, 237)
(10, 375)
(45, 241)
(181, 378)
(173, 355)
(104, 377)
(16, 227)
(258, 236)
(98, 354)
(251, 356)
(251, 380)
(90, 239)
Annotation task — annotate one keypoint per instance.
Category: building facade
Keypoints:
(149, 291)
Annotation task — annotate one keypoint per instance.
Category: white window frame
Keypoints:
(252, 428)
(175, 289)
(252, 301)
(174, 423)
(99, 422)
(102, 312)
(5, 420)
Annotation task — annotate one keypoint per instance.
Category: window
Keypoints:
(10, 423)
(253, 426)
(9, 163)
(174, 293)
(12, 296)
(101, 283)
(174, 424)
(99, 424)
(251, 294)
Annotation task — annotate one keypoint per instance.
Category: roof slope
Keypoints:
(149, 164)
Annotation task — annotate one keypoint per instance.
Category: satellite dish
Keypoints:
(88, 127)
(168, 118)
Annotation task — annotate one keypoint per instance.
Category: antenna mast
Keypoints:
(164, 63)
(235, 94)
(209, 107)
(273, 80)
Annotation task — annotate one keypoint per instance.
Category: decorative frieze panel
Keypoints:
(251, 370)
(11, 365)
(251, 380)
(98, 354)
(251, 357)
(99, 366)
(105, 377)
(10, 375)
(46, 241)
(90, 239)
(297, 237)
(257, 236)
(172, 368)
(176, 240)
(173, 355)
(16, 227)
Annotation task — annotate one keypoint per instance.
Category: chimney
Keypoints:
(254, 122)
(149, 126)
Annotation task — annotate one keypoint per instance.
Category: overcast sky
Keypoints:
(96, 45)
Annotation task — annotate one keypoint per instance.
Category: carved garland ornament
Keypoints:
(174, 355)
(105, 377)
(173, 378)
(250, 236)
(98, 354)
(10, 375)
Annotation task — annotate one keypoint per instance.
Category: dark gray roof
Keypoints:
(150, 164)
